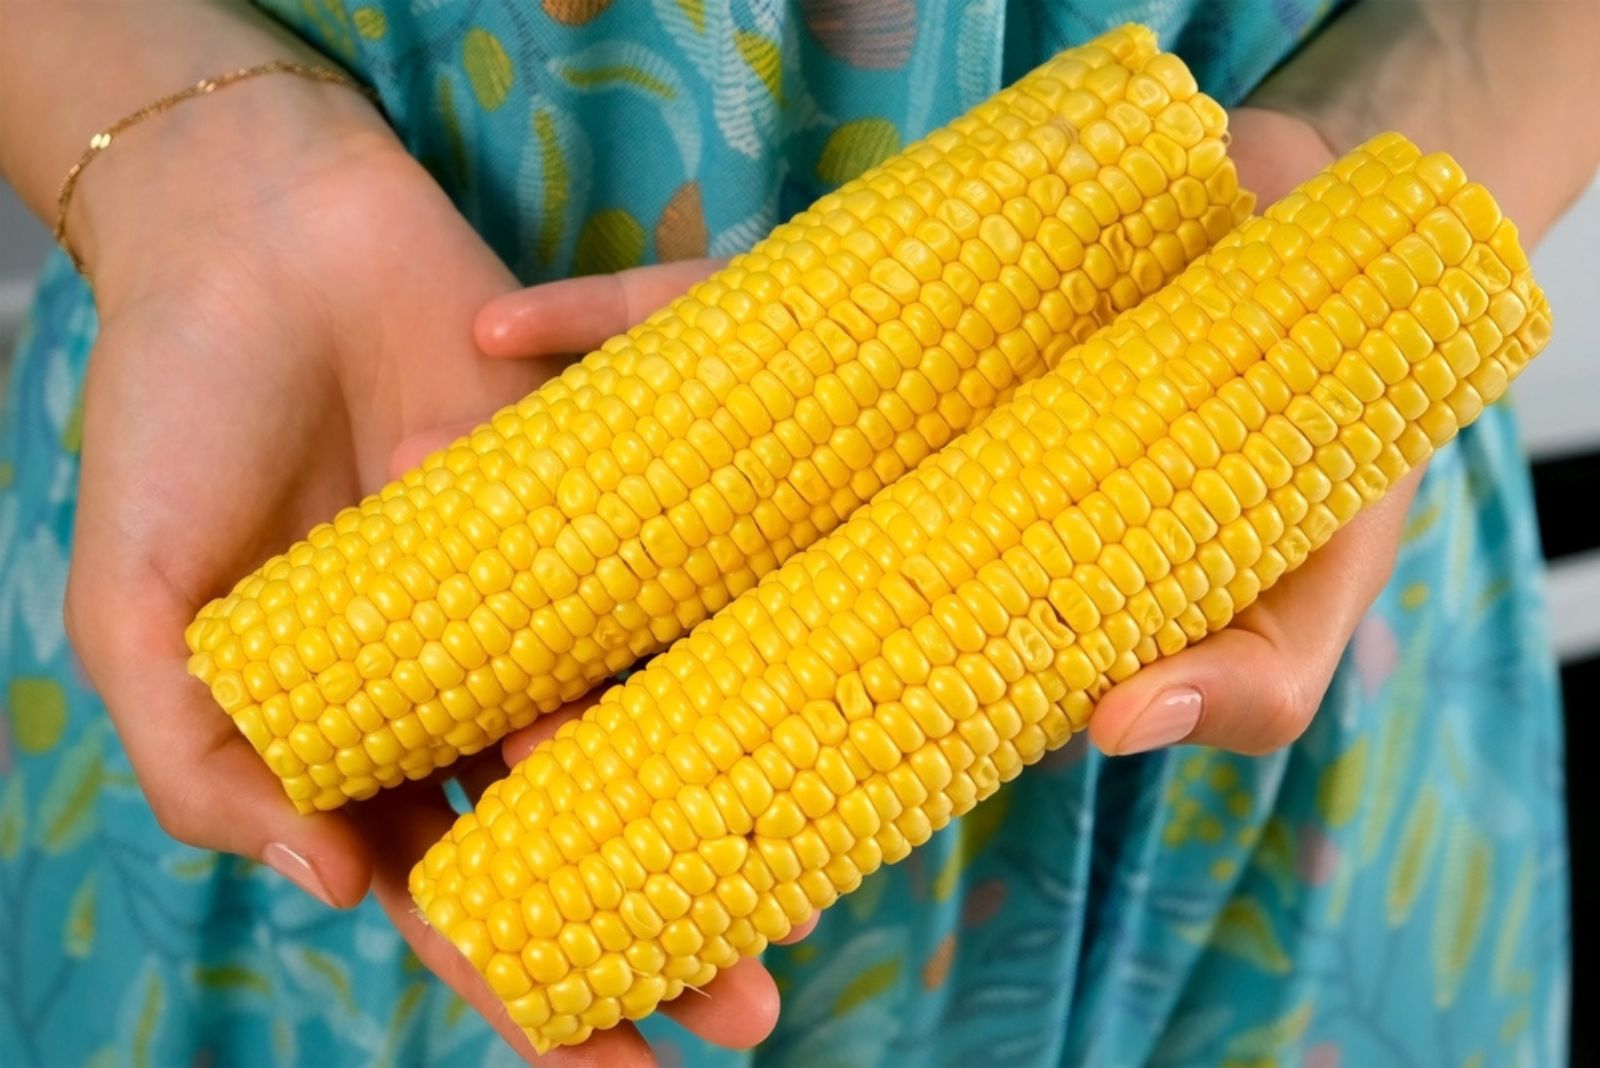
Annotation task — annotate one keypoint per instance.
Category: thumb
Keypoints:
(1255, 685)
(1237, 690)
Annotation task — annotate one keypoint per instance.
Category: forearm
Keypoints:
(1509, 87)
(69, 68)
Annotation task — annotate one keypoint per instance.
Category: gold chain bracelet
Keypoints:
(204, 87)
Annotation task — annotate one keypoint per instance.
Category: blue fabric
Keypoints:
(1388, 891)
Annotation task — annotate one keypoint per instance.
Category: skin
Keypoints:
(223, 363)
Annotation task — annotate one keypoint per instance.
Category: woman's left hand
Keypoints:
(1255, 686)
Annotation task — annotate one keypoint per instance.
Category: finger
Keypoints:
(1254, 686)
(519, 744)
(407, 822)
(800, 930)
(736, 1010)
(577, 315)
(479, 773)
(1262, 139)
(203, 781)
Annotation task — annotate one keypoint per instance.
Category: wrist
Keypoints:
(213, 169)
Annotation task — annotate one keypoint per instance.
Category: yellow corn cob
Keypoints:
(965, 621)
(608, 512)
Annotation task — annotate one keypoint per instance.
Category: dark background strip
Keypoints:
(1565, 489)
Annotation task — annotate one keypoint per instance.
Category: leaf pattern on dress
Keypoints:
(622, 66)
(1339, 792)
(1244, 930)
(1464, 892)
(1267, 1042)
(77, 933)
(1414, 861)
(611, 241)
(13, 814)
(67, 810)
(489, 69)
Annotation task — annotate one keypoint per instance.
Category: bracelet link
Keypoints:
(204, 87)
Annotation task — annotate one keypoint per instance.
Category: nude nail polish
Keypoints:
(297, 869)
(1168, 719)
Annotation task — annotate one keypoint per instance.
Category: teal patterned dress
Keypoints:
(1388, 891)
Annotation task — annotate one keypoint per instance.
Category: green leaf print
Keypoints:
(67, 809)
(232, 978)
(1421, 521)
(77, 934)
(696, 11)
(189, 864)
(1339, 791)
(405, 1010)
(1267, 1041)
(371, 22)
(488, 68)
(619, 74)
(38, 713)
(611, 241)
(623, 66)
(1464, 889)
(1508, 979)
(319, 974)
(1414, 858)
(72, 433)
(152, 1007)
(555, 186)
(13, 815)
(869, 984)
(283, 1040)
(1396, 745)
(761, 54)
(856, 146)
(1275, 857)
(1244, 930)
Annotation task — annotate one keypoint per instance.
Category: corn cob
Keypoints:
(608, 512)
(965, 621)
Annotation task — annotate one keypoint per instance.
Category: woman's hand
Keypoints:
(1254, 687)
(287, 300)
(284, 295)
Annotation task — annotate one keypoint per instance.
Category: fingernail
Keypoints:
(1168, 719)
(297, 869)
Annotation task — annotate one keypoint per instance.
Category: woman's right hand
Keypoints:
(285, 297)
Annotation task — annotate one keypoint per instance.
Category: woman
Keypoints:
(293, 297)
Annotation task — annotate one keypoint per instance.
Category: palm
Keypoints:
(225, 415)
